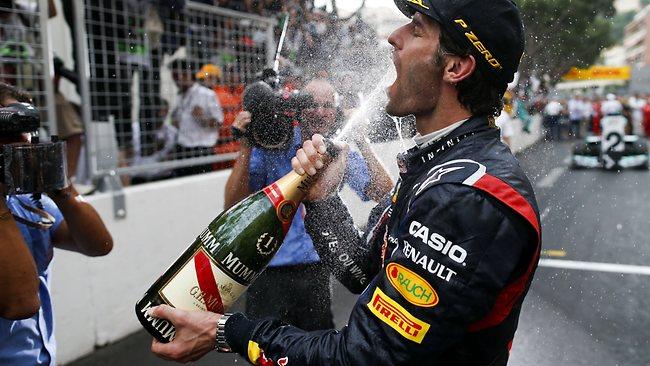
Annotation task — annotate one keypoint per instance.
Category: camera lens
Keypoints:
(271, 125)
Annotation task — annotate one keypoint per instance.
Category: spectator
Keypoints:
(69, 123)
(636, 104)
(646, 119)
(197, 116)
(17, 39)
(506, 127)
(229, 93)
(29, 236)
(552, 113)
(308, 306)
(576, 115)
(162, 144)
(238, 5)
(295, 36)
(596, 115)
(611, 106)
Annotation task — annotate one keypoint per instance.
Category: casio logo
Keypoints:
(437, 242)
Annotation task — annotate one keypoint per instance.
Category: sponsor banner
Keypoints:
(411, 286)
(396, 317)
(200, 285)
(598, 73)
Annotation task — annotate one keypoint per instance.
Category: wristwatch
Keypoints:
(221, 345)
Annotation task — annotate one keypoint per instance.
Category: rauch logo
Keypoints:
(409, 284)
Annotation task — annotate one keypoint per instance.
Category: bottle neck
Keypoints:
(294, 187)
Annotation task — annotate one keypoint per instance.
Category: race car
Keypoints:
(613, 149)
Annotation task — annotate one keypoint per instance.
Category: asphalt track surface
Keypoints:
(589, 302)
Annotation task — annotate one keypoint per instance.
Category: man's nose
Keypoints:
(395, 38)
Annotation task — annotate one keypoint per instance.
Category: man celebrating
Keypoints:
(444, 270)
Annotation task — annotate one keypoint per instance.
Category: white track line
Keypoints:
(551, 177)
(595, 266)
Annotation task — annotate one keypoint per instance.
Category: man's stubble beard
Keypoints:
(414, 96)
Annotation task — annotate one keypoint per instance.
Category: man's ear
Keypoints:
(458, 68)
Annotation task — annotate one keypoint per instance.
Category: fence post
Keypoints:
(83, 66)
(270, 45)
(48, 67)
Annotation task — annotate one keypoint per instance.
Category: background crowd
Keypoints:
(132, 46)
(580, 114)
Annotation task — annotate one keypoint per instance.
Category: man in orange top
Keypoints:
(229, 95)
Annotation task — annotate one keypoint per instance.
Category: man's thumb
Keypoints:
(162, 312)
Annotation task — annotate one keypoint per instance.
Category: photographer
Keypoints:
(296, 265)
(30, 229)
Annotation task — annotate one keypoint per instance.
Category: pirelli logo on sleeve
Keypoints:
(395, 316)
(473, 38)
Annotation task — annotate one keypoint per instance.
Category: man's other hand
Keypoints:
(195, 334)
(313, 159)
(242, 120)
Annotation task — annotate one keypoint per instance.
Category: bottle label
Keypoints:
(200, 285)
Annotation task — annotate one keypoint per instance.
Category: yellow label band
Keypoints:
(393, 314)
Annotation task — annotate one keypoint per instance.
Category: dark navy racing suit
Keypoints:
(442, 272)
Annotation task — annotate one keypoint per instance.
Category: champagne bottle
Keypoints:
(227, 256)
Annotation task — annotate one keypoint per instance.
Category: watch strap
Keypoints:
(221, 344)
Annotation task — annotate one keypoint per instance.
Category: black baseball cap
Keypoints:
(492, 28)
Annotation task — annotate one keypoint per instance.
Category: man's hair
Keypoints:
(10, 91)
(475, 92)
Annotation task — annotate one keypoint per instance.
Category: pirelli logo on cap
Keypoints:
(473, 38)
(418, 3)
(393, 314)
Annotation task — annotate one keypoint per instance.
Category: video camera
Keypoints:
(34, 167)
(273, 112)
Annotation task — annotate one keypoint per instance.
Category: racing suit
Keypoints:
(442, 273)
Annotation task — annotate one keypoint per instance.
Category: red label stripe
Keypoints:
(207, 283)
(509, 296)
(276, 197)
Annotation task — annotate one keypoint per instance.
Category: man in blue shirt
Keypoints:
(29, 234)
(296, 286)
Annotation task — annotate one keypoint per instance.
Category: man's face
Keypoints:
(322, 118)
(416, 89)
(182, 78)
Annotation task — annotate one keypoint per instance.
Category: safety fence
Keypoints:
(130, 104)
(130, 100)
(25, 54)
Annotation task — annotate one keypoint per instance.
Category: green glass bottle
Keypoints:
(227, 256)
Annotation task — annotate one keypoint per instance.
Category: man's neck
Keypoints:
(446, 113)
